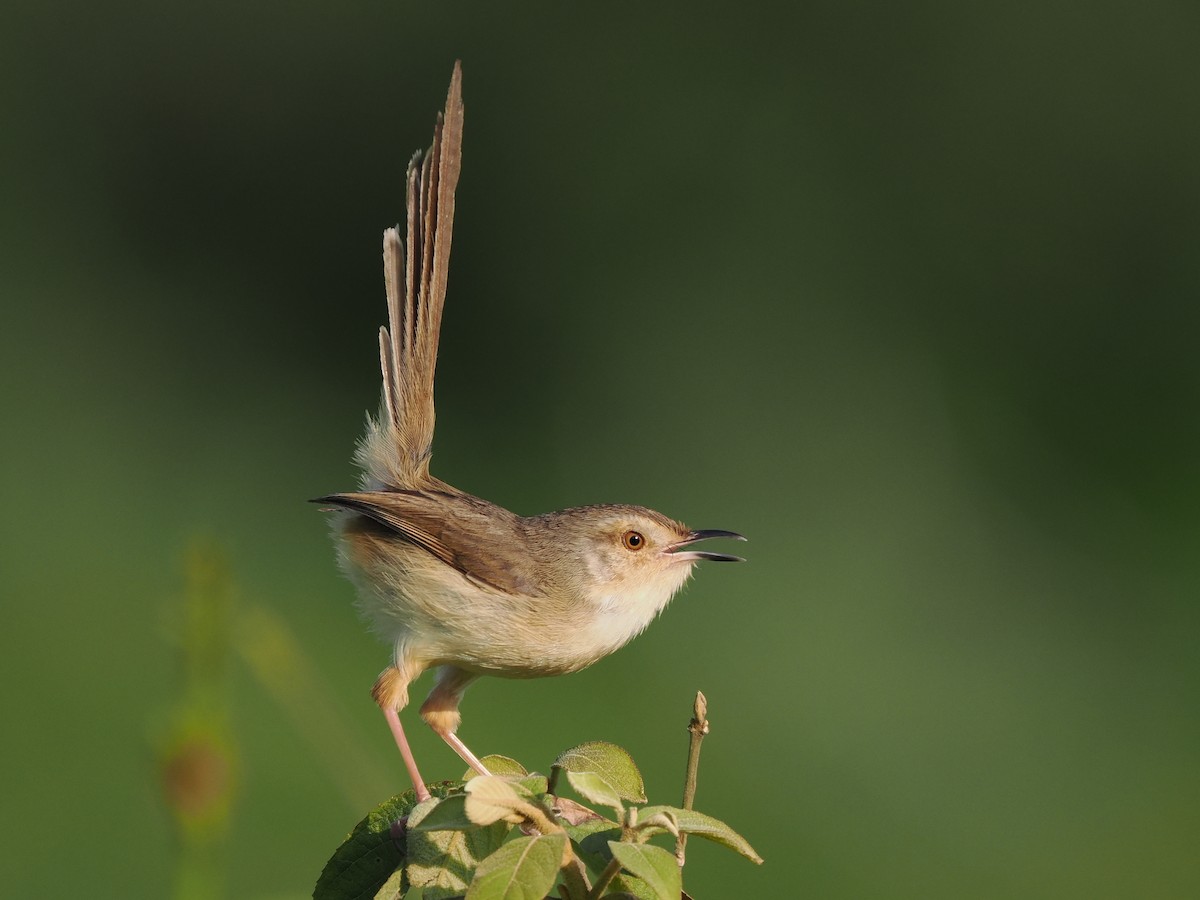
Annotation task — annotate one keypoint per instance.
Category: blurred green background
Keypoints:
(908, 293)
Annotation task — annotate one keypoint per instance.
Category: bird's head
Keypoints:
(630, 557)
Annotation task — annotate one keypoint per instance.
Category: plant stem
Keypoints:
(609, 873)
(697, 729)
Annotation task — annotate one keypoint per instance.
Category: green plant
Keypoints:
(511, 836)
(196, 754)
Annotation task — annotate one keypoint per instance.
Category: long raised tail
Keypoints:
(395, 451)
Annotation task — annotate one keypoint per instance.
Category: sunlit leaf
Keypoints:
(658, 822)
(523, 869)
(530, 783)
(610, 762)
(490, 799)
(595, 788)
(442, 862)
(691, 822)
(653, 865)
(393, 889)
(449, 815)
(626, 885)
(497, 765)
(533, 783)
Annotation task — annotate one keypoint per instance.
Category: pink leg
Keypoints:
(440, 712)
(418, 783)
(467, 756)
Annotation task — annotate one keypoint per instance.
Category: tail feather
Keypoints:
(396, 449)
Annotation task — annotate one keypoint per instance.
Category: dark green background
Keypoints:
(906, 292)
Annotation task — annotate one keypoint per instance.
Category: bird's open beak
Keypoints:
(704, 535)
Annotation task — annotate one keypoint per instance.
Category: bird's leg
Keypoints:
(393, 720)
(440, 712)
(391, 693)
(462, 750)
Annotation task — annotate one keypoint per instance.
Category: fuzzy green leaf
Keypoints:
(498, 765)
(691, 822)
(369, 855)
(592, 827)
(593, 787)
(651, 864)
(393, 888)
(532, 783)
(490, 799)
(610, 762)
(443, 862)
(449, 815)
(625, 885)
(591, 843)
(523, 869)
(658, 822)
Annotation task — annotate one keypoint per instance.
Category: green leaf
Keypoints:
(490, 799)
(369, 854)
(523, 869)
(692, 822)
(592, 846)
(593, 787)
(511, 771)
(658, 822)
(443, 862)
(534, 784)
(592, 826)
(611, 763)
(590, 839)
(625, 885)
(498, 765)
(393, 888)
(653, 865)
(449, 815)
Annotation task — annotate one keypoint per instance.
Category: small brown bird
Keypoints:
(455, 582)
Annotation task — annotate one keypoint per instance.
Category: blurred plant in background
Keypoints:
(213, 628)
(285, 671)
(197, 755)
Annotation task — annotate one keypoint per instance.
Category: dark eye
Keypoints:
(633, 540)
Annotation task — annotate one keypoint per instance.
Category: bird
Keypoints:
(451, 581)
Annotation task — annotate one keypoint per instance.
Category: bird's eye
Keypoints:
(633, 540)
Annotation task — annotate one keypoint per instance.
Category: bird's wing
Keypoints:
(483, 541)
(396, 449)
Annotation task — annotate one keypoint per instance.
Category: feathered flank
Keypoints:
(395, 451)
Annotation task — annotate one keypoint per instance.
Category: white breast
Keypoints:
(620, 617)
